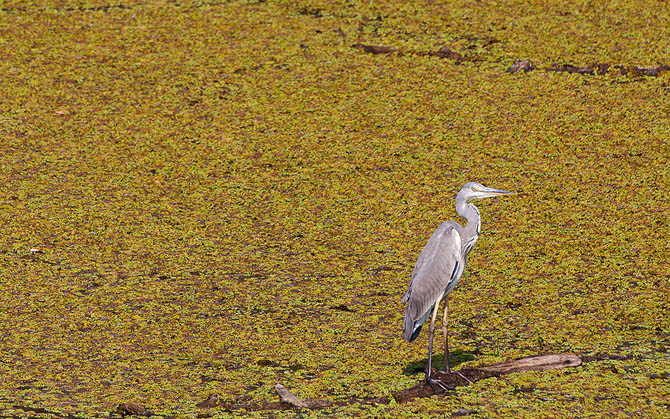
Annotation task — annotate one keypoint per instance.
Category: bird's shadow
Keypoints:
(455, 358)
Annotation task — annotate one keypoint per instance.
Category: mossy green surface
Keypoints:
(207, 182)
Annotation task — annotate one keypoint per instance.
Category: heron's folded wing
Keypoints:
(433, 272)
(427, 252)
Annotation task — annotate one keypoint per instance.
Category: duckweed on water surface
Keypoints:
(220, 196)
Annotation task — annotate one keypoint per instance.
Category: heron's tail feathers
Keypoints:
(414, 335)
(411, 328)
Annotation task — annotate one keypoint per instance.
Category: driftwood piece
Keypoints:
(604, 68)
(445, 52)
(650, 71)
(210, 402)
(132, 409)
(535, 363)
(287, 397)
(375, 49)
(470, 375)
(522, 65)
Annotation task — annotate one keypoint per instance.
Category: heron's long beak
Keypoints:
(489, 192)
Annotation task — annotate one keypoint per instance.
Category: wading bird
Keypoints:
(439, 267)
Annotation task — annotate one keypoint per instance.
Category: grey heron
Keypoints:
(439, 267)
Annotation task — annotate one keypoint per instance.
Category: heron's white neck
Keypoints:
(471, 229)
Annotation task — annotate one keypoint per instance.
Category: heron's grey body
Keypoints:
(441, 264)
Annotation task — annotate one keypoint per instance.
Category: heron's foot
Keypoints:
(449, 371)
(437, 385)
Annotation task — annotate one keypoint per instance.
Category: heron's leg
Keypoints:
(446, 343)
(446, 336)
(431, 333)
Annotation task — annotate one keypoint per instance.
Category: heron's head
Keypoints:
(474, 190)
